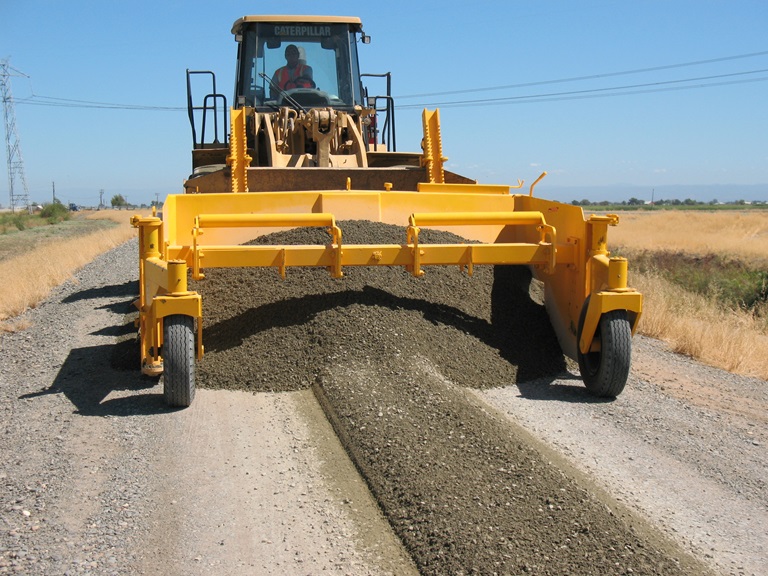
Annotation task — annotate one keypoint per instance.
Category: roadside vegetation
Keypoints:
(53, 213)
(39, 256)
(10, 221)
(704, 278)
(661, 204)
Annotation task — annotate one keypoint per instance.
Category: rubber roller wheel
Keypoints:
(178, 360)
(606, 370)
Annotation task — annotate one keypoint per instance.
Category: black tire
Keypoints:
(605, 372)
(178, 360)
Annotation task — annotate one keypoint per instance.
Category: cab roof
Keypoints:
(238, 25)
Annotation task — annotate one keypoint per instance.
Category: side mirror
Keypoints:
(365, 39)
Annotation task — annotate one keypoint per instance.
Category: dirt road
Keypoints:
(98, 477)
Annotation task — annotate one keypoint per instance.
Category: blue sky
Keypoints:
(672, 136)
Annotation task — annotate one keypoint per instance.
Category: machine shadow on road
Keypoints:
(547, 389)
(104, 380)
(521, 321)
(126, 289)
(87, 380)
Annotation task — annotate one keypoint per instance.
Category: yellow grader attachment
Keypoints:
(306, 156)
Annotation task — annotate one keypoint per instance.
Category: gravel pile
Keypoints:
(388, 354)
(263, 333)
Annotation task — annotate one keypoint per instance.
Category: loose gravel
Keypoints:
(70, 496)
(265, 334)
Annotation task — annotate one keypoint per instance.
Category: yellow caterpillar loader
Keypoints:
(305, 144)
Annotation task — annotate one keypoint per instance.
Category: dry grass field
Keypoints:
(39, 263)
(702, 325)
(739, 235)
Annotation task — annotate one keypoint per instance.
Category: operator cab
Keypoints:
(327, 73)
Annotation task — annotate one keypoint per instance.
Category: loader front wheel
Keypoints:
(178, 360)
(605, 370)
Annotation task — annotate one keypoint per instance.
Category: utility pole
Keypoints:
(53, 185)
(101, 198)
(12, 145)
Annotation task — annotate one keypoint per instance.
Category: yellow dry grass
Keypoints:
(695, 325)
(29, 278)
(741, 235)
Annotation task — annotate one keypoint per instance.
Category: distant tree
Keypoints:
(605, 203)
(740, 202)
(635, 202)
(689, 202)
(118, 201)
(713, 202)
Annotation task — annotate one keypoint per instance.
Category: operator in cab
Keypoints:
(294, 74)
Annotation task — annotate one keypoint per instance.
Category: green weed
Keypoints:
(731, 283)
(55, 212)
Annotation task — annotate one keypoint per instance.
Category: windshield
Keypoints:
(316, 64)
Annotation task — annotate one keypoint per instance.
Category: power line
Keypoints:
(37, 100)
(588, 77)
(625, 90)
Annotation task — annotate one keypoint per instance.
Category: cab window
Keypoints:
(329, 50)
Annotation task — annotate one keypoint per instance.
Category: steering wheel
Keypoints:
(300, 82)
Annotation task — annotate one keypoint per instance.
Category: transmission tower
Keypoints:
(12, 144)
